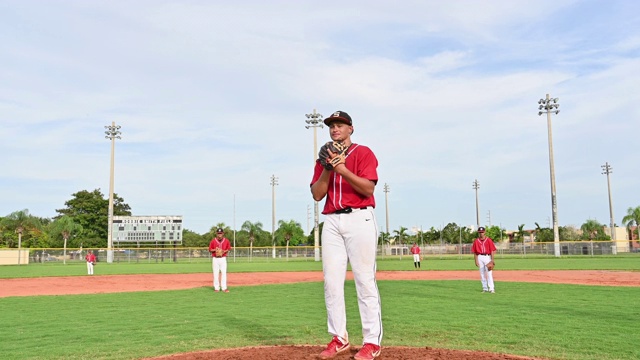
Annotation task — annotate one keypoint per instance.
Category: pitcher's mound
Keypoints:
(311, 352)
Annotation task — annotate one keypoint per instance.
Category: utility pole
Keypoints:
(274, 182)
(548, 106)
(489, 217)
(386, 203)
(607, 170)
(476, 186)
(314, 120)
(113, 132)
(234, 227)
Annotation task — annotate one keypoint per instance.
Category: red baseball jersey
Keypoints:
(224, 244)
(415, 249)
(90, 258)
(485, 246)
(361, 161)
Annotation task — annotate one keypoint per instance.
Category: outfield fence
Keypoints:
(35, 256)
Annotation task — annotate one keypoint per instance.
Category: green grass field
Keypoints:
(542, 320)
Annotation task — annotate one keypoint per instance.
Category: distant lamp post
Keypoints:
(274, 182)
(386, 204)
(607, 170)
(476, 186)
(19, 230)
(113, 133)
(314, 120)
(548, 106)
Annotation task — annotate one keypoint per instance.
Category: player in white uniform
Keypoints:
(349, 235)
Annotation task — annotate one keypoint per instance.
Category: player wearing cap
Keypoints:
(483, 250)
(349, 235)
(415, 250)
(219, 247)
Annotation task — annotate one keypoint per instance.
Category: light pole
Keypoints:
(113, 133)
(476, 186)
(386, 204)
(274, 182)
(19, 230)
(548, 106)
(607, 170)
(386, 190)
(308, 218)
(314, 120)
(234, 227)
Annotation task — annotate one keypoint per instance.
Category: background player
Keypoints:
(483, 250)
(350, 236)
(91, 261)
(219, 247)
(415, 250)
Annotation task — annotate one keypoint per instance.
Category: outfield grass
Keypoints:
(542, 320)
(554, 321)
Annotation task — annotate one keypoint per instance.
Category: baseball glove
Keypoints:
(491, 265)
(339, 151)
(219, 252)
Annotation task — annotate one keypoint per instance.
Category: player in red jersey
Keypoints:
(483, 250)
(349, 235)
(91, 261)
(415, 250)
(219, 248)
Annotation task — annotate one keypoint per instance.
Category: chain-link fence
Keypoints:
(306, 253)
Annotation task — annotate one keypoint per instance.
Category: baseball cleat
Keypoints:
(368, 352)
(335, 347)
(225, 290)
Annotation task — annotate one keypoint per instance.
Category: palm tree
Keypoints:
(64, 226)
(20, 221)
(289, 229)
(592, 229)
(521, 233)
(633, 216)
(401, 233)
(254, 230)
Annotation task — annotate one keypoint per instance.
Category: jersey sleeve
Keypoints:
(317, 171)
(474, 247)
(367, 164)
(493, 246)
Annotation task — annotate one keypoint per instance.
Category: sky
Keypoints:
(212, 98)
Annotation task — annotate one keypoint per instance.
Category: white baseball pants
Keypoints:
(351, 238)
(486, 276)
(219, 266)
(89, 268)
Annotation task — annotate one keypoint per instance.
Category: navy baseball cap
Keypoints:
(220, 231)
(341, 116)
(480, 229)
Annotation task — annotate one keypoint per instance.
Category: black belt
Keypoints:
(347, 210)
(485, 254)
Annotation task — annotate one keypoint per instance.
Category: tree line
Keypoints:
(83, 223)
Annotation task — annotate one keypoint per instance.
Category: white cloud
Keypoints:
(211, 98)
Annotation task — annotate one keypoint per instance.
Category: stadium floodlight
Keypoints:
(315, 122)
(113, 133)
(549, 106)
